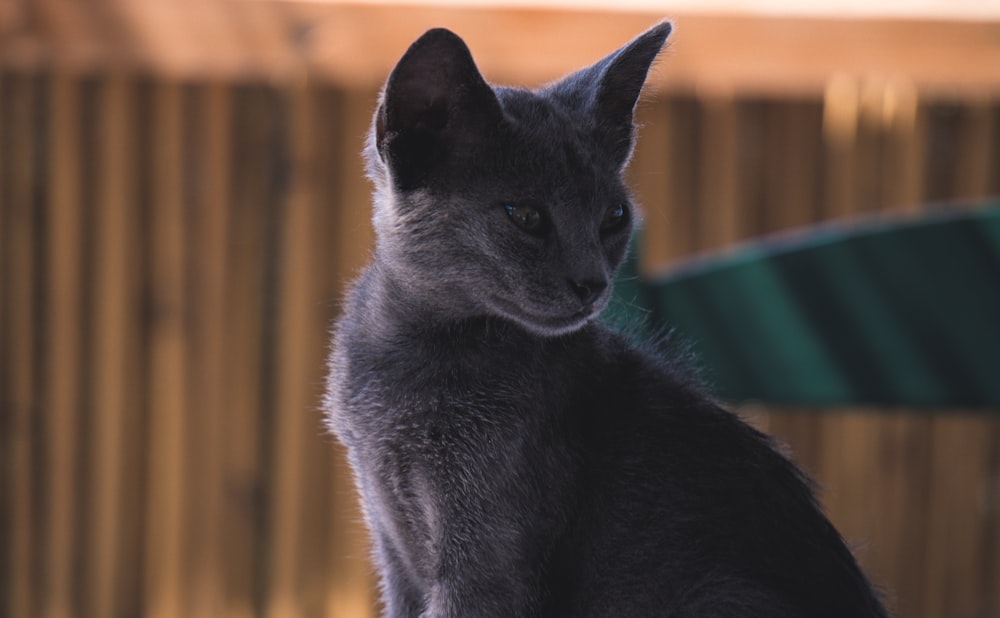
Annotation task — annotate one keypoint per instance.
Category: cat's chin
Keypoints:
(551, 325)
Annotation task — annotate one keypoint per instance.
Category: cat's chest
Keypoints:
(466, 426)
(468, 375)
(460, 399)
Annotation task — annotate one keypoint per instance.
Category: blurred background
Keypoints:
(182, 202)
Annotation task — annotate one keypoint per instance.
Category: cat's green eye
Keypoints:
(615, 218)
(527, 218)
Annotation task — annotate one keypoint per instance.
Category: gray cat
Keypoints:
(515, 457)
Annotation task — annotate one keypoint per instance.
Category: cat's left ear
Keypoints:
(434, 102)
(609, 89)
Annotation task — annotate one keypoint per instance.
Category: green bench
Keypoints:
(901, 310)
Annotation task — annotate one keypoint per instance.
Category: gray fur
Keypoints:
(514, 457)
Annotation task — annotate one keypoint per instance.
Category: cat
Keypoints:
(514, 455)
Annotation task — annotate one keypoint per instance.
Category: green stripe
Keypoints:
(903, 311)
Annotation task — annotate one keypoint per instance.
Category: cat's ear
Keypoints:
(434, 101)
(609, 89)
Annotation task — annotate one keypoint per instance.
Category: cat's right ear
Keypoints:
(434, 101)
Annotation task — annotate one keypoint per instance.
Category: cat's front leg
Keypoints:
(484, 587)
(460, 600)
(400, 596)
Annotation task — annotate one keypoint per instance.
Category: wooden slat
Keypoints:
(12, 16)
(961, 450)
(168, 386)
(295, 322)
(684, 194)
(904, 469)
(5, 258)
(254, 115)
(841, 107)
(649, 174)
(327, 287)
(210, 147)
(867, 160)
(847, 459)
(21, 281)
(978, 152)
(135, 438)
(792, 164)
(355, 236)
(906, 142)
(9, 437)
(991, 505)
(62, 349)
(720, 221)
(113, 328)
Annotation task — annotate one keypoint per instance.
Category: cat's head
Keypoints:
(495, 201)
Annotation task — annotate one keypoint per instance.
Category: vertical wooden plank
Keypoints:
(994, 186)
(251, 128)
(872, 468)
(961, 453)
(683, 199)
(902, 532)
(991, 504)
(793, 134)
(905, 118)
(295, 320)
(944, 119)
(207, 365)
(650, 174)
(840, 128)
(867, 158)
(760, 152)
(876, 494)
(8, 414)
(720, 220)
(846, 458)
(135, 440)
(351, 587)
(21, 281)
(354, 231)
(112, 328)
(977, 150)
(320, 466)
(4, 269)
(62, 347)
(13, 16)
(168, 387)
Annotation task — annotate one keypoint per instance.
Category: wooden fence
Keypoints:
(173, 250)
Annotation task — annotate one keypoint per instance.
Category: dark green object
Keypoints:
(888, 311)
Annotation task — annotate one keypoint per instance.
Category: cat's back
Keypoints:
(684, 492)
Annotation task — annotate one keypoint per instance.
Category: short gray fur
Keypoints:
(514, 456)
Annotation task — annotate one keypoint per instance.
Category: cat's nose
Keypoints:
(588, 290)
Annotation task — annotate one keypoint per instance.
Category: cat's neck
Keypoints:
(394, 311)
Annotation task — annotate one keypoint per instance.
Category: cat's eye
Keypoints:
(615, 218)
(528, 218)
